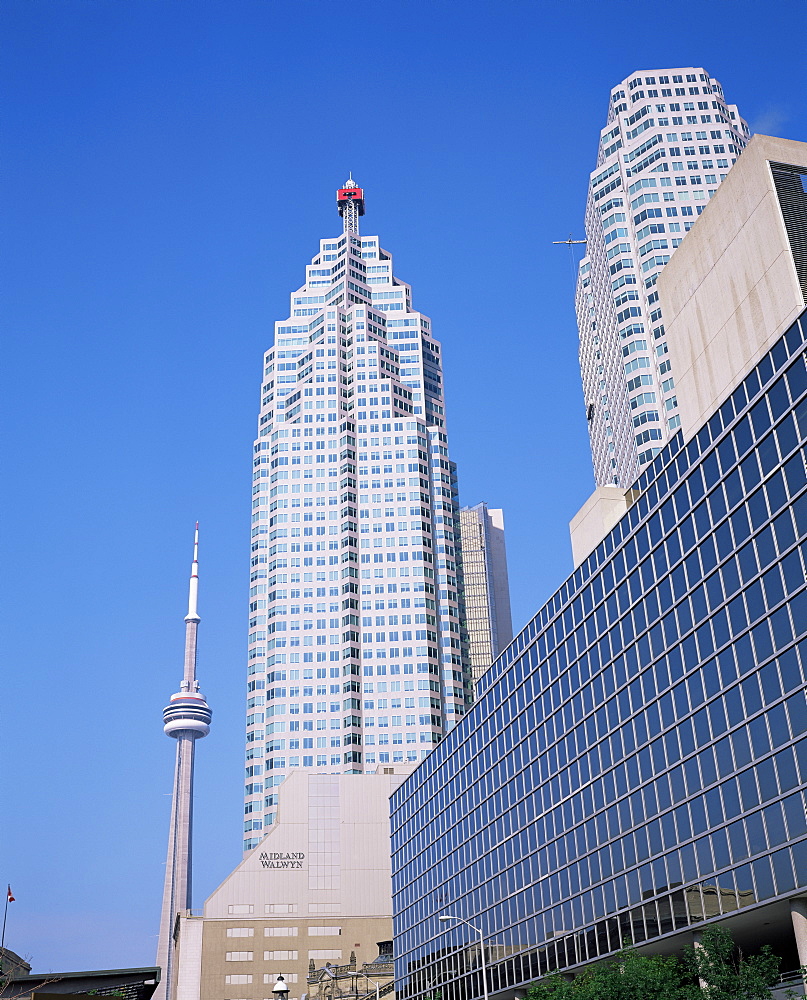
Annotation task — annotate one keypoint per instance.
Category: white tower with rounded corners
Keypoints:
(357, 649)
(668, 143)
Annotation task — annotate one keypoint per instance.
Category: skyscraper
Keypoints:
(187, 719)
(669, 140)
(485, 585)
(356, 655)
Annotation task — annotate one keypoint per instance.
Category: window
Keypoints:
(271, 977)
(280, 956)
(240, 908)
(238, 956)
(324, 931)
(236, 980)
(280, 932)
(240, 931)
(325, 954)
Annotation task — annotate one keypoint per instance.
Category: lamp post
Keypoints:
(281, 989)
(361, 972)
(445, 917)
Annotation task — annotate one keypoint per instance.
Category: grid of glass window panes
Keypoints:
(636, 760)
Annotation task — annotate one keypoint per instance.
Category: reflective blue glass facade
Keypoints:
(636, 762)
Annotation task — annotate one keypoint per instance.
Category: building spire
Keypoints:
(193, 589)
(350, 202)
(187, 719)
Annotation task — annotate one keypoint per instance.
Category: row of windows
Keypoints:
(246, 909)
(275, 956)
(268, 977)
(283, 931)
(281, 956)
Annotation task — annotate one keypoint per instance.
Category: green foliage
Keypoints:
(715, 970)
(726, 972)
(629, 977)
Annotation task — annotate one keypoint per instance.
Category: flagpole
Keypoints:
(3, 938)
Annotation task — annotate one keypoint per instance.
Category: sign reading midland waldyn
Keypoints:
(275, 859)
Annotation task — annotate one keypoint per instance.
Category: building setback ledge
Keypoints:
(598, 515)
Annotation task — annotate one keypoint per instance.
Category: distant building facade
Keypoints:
(635, 765)
(485, 585)
(668, 143)
(317, 890)
(353, 981)
(12, 965)
(126, 984)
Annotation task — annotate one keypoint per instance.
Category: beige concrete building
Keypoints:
(741, 271)
(485, 585)
(735, 284)
(317, 889)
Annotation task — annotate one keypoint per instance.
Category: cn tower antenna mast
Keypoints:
(350, 202)
(187, 719)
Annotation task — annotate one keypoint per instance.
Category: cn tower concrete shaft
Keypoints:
(187, 719)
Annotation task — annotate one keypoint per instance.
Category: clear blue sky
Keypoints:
(168, 168)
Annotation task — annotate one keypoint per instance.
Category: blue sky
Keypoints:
(168, 169)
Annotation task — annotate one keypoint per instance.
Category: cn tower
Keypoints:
(187, 719)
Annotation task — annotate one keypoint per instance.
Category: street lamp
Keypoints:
(361, 972)
(281, 989)
(444, 917)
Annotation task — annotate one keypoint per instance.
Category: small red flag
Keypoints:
(10, 897)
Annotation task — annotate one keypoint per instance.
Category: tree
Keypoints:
(630, 976)
(725, 972)
(715, 970)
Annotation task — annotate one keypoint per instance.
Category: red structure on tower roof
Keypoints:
(350, 202)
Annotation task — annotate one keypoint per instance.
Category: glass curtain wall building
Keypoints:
(356, 653)
(667, 145)
(636, 762)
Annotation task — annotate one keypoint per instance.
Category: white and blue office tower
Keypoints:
(669, 140)
(356, 652)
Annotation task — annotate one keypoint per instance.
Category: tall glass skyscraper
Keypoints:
(356, 651)
(669, 140)
(635, 765)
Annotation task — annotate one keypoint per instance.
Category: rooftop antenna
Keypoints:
(570, 243)
(350, 202)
